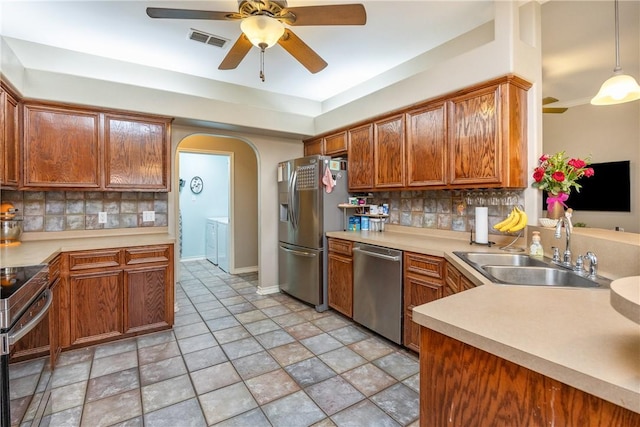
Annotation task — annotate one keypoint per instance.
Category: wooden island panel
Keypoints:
(461, 385)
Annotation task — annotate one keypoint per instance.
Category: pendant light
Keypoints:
(621, 87)
(263, 32)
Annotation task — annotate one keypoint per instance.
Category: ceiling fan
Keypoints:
(552, 110)
(262, 24)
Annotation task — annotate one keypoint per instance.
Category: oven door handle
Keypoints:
(22, 330)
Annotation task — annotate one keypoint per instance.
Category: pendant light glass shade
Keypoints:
(262, 31)
(620, 88)
(616, 90)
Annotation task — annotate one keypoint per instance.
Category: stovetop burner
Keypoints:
(19, 287)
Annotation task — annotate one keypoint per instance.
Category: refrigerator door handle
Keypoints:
(300, 253)
(293, 200)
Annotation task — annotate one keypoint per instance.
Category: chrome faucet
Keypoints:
(593, 264)
(566, 256)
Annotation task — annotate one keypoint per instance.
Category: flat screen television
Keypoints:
(608, 190)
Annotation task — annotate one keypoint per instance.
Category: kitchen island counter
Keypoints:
(46, 246)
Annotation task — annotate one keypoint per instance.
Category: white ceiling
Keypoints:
(578, 48)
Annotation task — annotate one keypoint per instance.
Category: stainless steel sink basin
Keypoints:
(480, 258)
(538, 276)
(520, 269)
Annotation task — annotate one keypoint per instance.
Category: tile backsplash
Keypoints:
(447, 209)
(78, 210)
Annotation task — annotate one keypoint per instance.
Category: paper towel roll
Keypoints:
(482, 225)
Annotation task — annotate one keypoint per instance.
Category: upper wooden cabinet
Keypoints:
(75, 148)
(335, 145)
(9, 139)
(487, 138)
(360, 158)
(473, 138)
(136, 153)
(313, 147)
(61, 148)
(388, 152)
(331, 145)
(426, 152)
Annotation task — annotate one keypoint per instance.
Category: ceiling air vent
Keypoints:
(206, 38)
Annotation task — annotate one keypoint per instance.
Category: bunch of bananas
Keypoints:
(515, 221)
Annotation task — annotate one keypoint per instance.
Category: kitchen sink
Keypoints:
(500, 259)
(520, 269)
(538, 276)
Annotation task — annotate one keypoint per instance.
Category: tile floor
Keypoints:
(233, 358)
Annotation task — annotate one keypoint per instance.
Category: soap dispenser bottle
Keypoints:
(536, 248)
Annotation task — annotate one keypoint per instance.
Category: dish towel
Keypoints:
(328, 180)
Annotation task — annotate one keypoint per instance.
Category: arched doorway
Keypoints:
(242, 199)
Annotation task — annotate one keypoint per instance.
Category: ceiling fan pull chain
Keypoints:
(262, 64)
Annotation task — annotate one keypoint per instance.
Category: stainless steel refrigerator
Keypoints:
(306, 212)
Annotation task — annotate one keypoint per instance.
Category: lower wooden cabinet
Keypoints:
(340, 276)
(114, 293)
(148, 287)
(96, 306)
(424, 278)
(456, 281)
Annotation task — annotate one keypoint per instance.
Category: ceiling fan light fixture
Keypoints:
(263, 31)
(620, 87)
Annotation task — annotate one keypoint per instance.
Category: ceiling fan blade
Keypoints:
(549, 100)
(302, 52)
(550, 110)
(340, 14)
(160, 12)
(236, 54)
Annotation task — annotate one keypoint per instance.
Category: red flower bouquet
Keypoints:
(558, 174)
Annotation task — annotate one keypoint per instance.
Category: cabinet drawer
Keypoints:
(147, 254)
(424, 265)
(54, 269)
(453, 278)
(344, 247)
(106, 258)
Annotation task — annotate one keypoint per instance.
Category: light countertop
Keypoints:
(46, 246)
(572, 335)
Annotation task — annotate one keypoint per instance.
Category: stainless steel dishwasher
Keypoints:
(377, 290)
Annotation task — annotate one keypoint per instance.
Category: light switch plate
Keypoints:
(148, 216)
(102, 217)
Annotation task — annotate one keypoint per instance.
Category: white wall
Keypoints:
(607, 133)
(213, 201)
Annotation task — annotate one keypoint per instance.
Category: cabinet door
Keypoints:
(136, 153)
(335, 145)
(96, 308)
(474, 138)
(389, 152)
(313, 147)
(426, 147)
(417, 291)
(360, 158)
(340, 283)
(9, 140)
(61, 148)
(147, 302)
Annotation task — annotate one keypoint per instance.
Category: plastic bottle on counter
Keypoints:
(536, 248)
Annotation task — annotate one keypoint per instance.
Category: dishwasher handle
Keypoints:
(395, 258)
